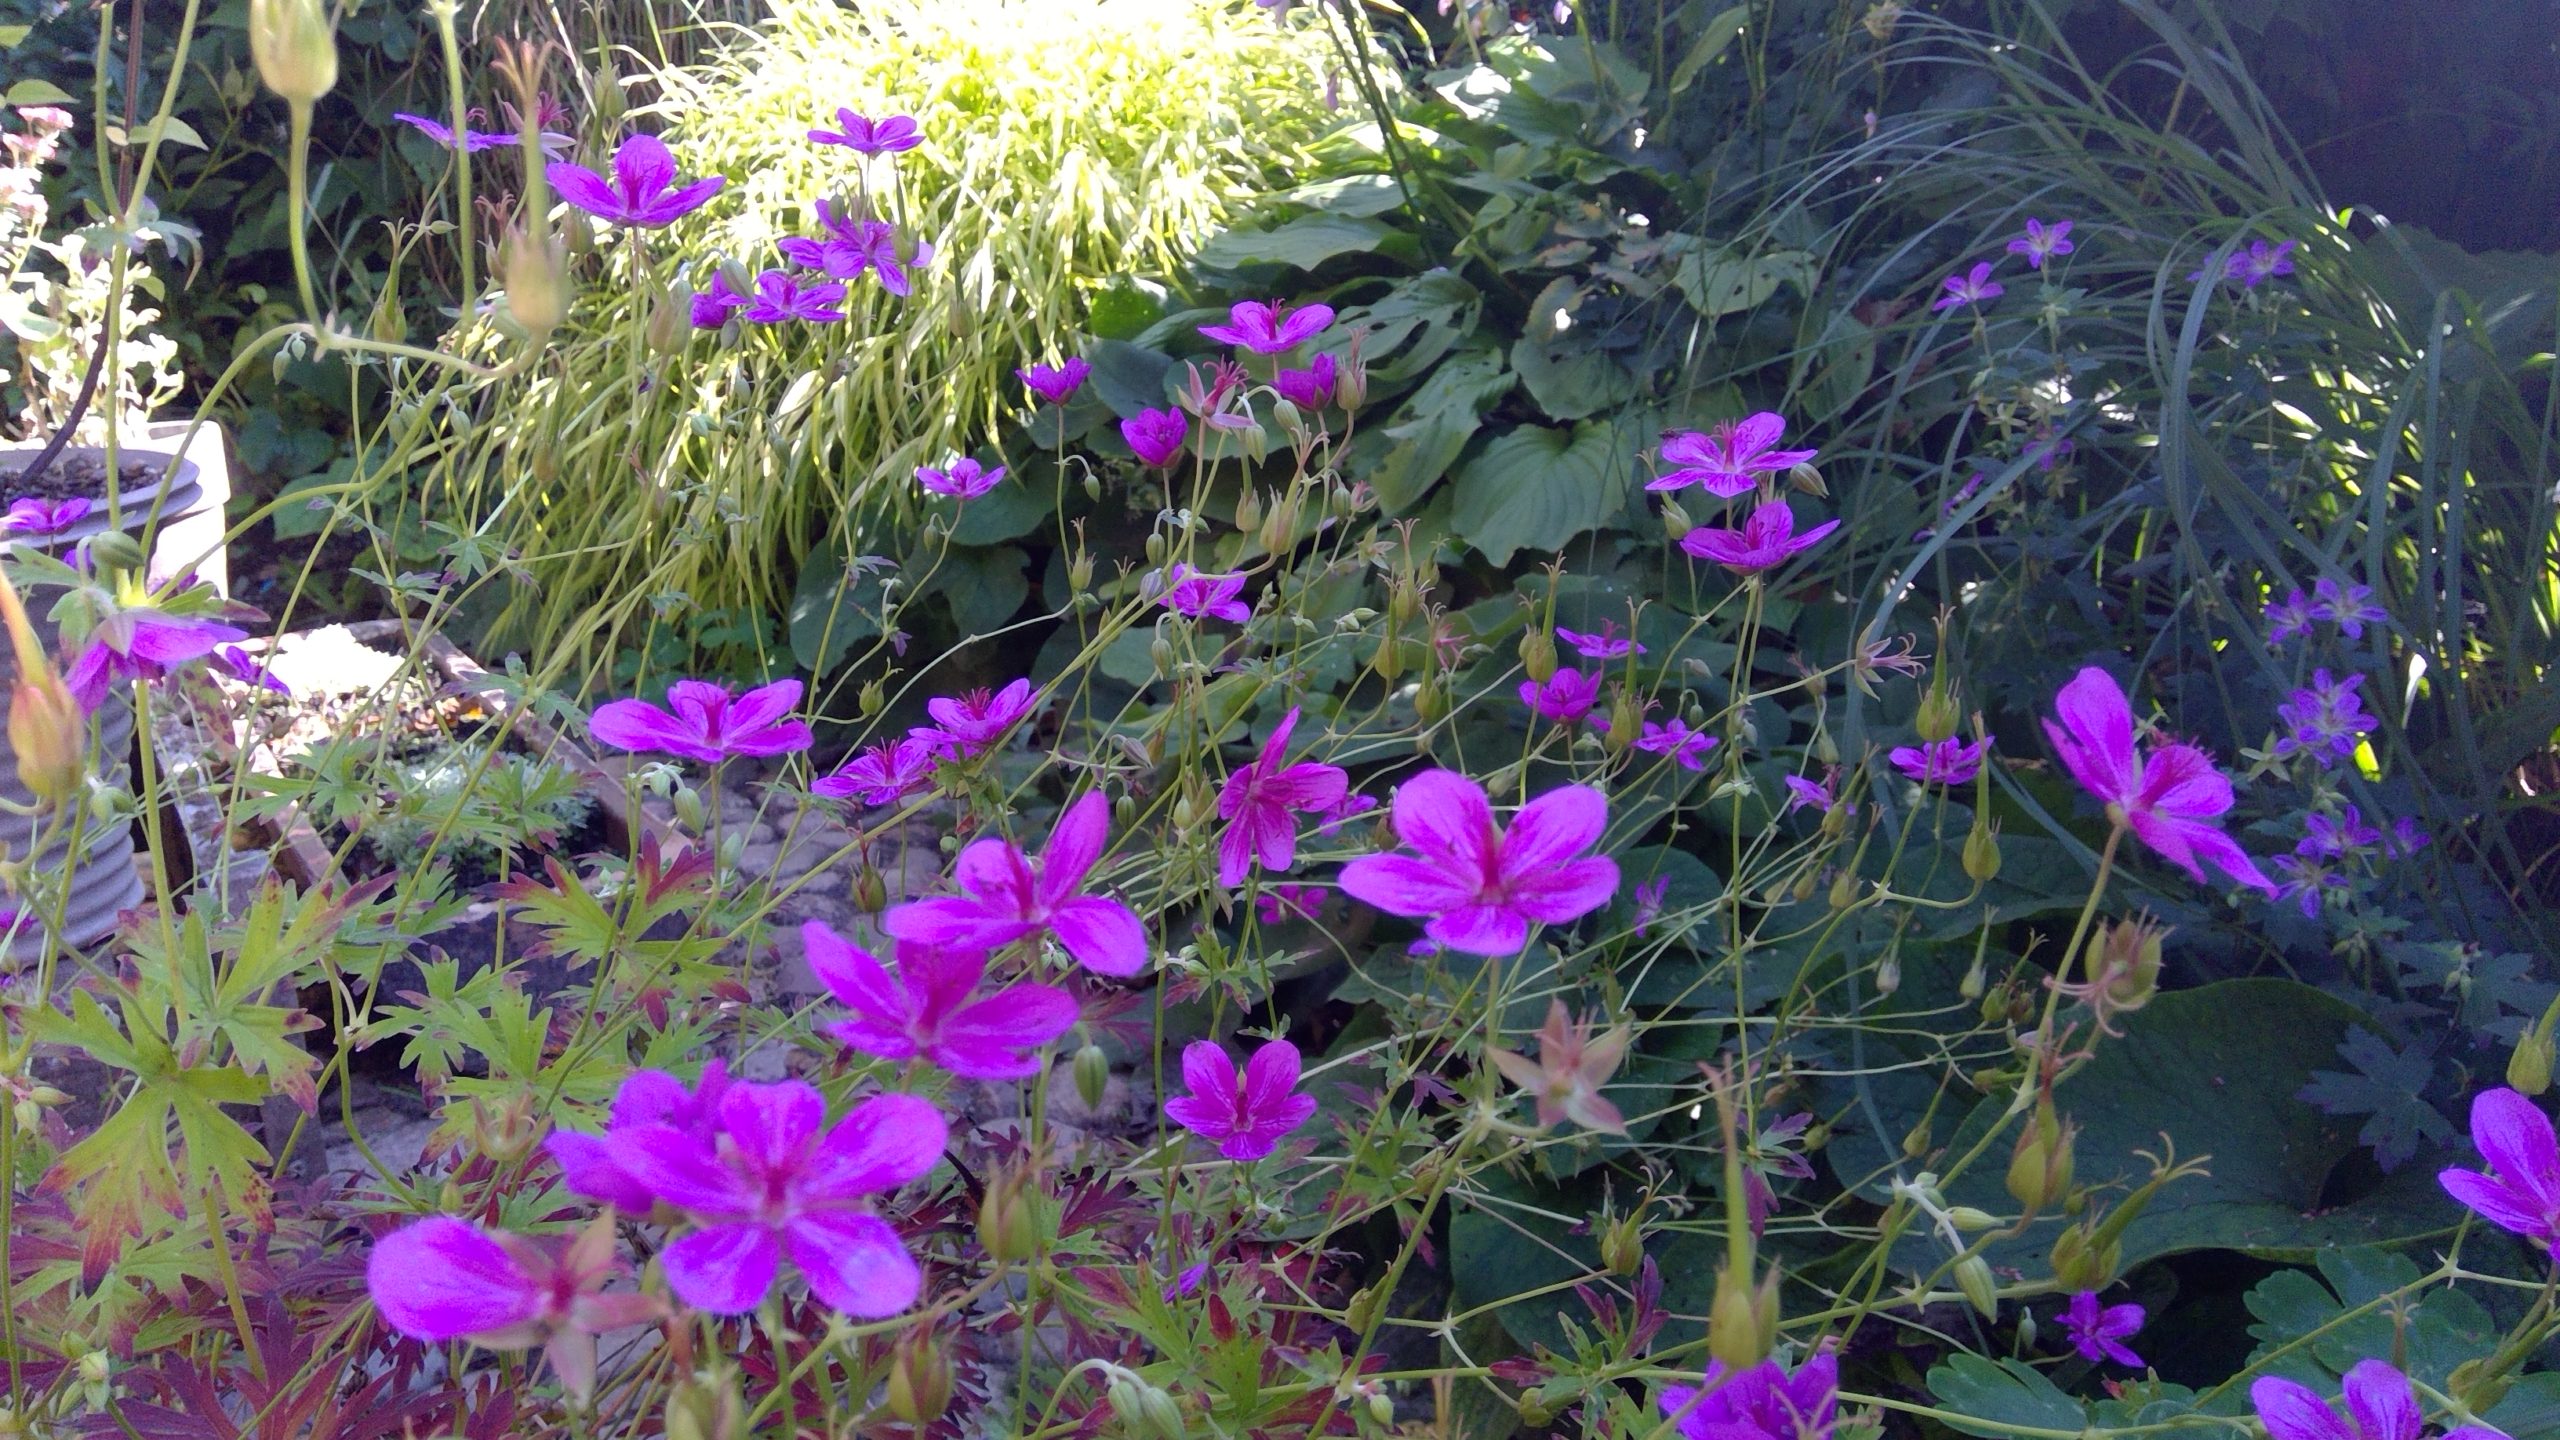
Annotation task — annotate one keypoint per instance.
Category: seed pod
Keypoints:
(1676, 521)
(1093, 1076)
(2528, 1066)
(1538, 654)
(871, 890)
(919, 1387)
(1249, 510)
(2041, 1164)
(1622, 1245)
(536, 271)
(1008, 1222)
(1733, 1322)
(1982, 851)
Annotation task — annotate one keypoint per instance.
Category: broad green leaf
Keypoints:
(1713, 37)
(1303, 243)
(2005, 1393)
(1434, 425)
(173, 130)
(1124, 306)
(12, 35)
(1719, 280)
(36, 92)
(1128, 378)
(1569, 379)
(1358, 195)
(2432, 1329)
(831, 612)
(985, 586)
(1536, 488)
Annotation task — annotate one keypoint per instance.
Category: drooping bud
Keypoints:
(1249, 510)
(536, 273)
(1008, 1219)
(1538, 654)
(2041, 1164)
(1969, 1219)
(670, 324)
(1982, 850)
(1809, 480)
(870, 890)
(919, 1388)
(1622, 1245)
(1093, 1076)
(2529, 1068)
(1973, 1277)
(1676, 521)
(297, 56)
(46, 726)
(115, 551)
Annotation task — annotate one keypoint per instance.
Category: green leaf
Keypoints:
(1536, 488)
(1712, 39)
(1125, 306)
(1360, 195)
(2433, 1328)
(12, 35)
(1303, 243)
(36, 92)
(2217, 1070)
(2008, 1394)
(985, 586)
(1720, 281)
(1569, 379)
(831, 612)
(172, 129)
(1434, 425)
(1129, 378)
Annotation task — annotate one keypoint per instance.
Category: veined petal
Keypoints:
(639, 725)
(725, 1270)
(1567, 892)
(1269, 1077)
(2095, 736)
(881, 1144)
(2517, 1139)
(1445, 816)
(444, 1278)
(1075, 846)
(1104, 935)
(2292, 1412)
(583, 188)
(772, 1126)
(2383, 1405)
(2506, 1206)
(1402, 885)
(680, 1170)
(998, 875)
(950, 922)
(642, 168)
(2181, 781)
(854, 975)
(1552, 829)
(1480, 929)
(1018, 1018)
(587, 1166)
(855, 1263)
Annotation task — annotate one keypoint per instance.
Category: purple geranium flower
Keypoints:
(1731, 458)
(646, 1097)
(1156, 435)
(2380, 1406)
(248, 670)
(1289, 902)
(1607, 645)
(710, 309)
(771, 1181)
(2042, 242)
(1482, 887)
(2309, 881)
(965, 480)
(970, 722)
(2517, 1141)
(1308, 389)
(474, 141)
(882, 775)
(1056, 384)
(1186, 591)
(28, 515)
(2324, 719)
(2290, 618)
(1766, 540)
(887, 135)
(1941, 762)
(2261, 263)
(1261, 798)
(1246, 1110)
(444, 1279)
(140, 642)
(704, 722)
(2172, 799)
(1761, 1403)
(1973, 287)
(2350, 609)
(1822, 795)
(2324, 836)
(1688, 748)
(1008, 896)
(643, 189)
(780, 298)
(1271, 329)
(2099, 1334)
(1566, 697)
(931, 1007)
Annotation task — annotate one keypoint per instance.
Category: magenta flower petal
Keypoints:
(2381, 1403)
(993, 1039)
(1554, 828)
(2093, 733)
(1403, 885)
(725, 1270)
(582, 187)
(1478, 929)
(587, 1166)
(2292, 1412)
(856, 1263)
(1105, 936)
(2517, 1139)
(445, 1279)
(882, 1143)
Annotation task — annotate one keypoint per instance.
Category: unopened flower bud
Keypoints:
(873, 698)
(1124, 811)
(1008, 1220)
(1889, 973)
(1975, 980)
(919, 1387)
(1351, 382)
(1938, 711)
(115, 550)
(46, 726)
(2083, 1262)
(1622, 1245)
(688, 807)
(1092, 487)
(1404, 601)
(1431, 702)
(1982, 851)
(1093, 1076)
(1160, 653)
(2528, 1066)
(1844, 890)
(1675, 520)
(1382, 1409)
(296, 54)
(1809, 480)
(536, 272)
(870, 890)
(1973, 1277)
(2040, 1166)
(1626, 720)
(1249, 510)
(1734, 1329)
(1538, 654)
(2478, 1384)
(1915, 1141)
(1155, 547)
(1278, 532)
(97, 1366)
(1967, 1218)
(670, 323)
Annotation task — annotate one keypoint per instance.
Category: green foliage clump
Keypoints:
(1061, 145)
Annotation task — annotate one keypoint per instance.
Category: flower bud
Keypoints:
(1431, 702)
(1809, 480)
(1249, 509)
(2528, 1066)
(1974, 981)
(1155, 548)
(2081, 1261)
(870, 890)
(1969, 1219)
(1742, 1321)
(1124, 811)
(1982, 851)
(1622, 1245)
(1382, 1409)
(1626, 721)
(919, 1379)
(1351, 382)
(1844, 890)
(2040, 1166)
(1938, 710)
(606, 85)
(707, 1406)
(296, 54)
(1538, 654)
(1915, 1141)
(389, 322)
(688, 807)
(536, 272)
(1093, 487)
(670, 323)
(1888, 977)
(96, 1367)
(1093, 1076)
(1008, 1221)
(1676, 521)
(1973, 1277)
(1160, 654)
(1278, 532)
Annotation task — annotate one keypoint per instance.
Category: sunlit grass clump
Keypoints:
(1061, 145)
